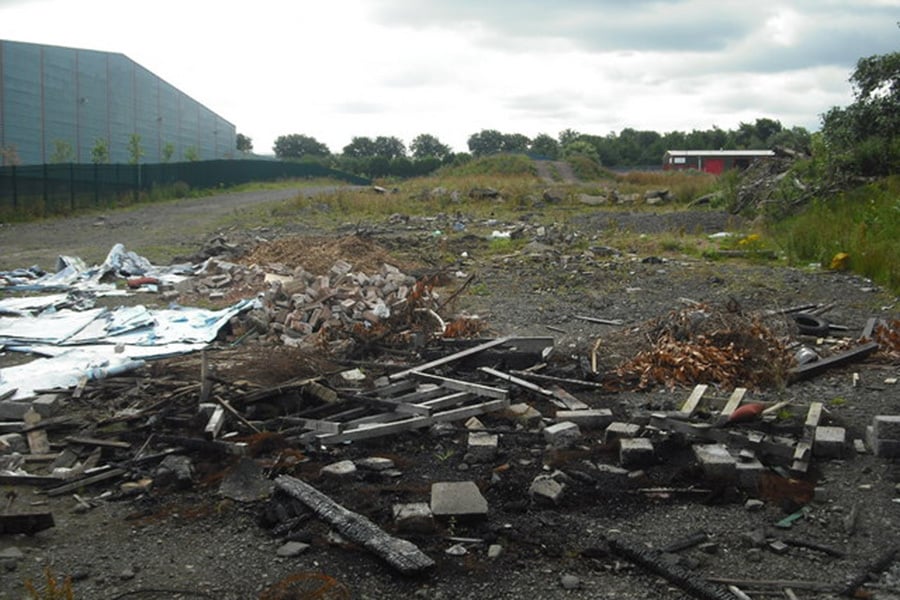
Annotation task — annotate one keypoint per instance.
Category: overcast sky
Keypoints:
(341, 68)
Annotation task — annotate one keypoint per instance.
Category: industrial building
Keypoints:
(60, 104)
(712, 161)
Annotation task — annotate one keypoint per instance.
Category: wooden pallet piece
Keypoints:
(693, 401)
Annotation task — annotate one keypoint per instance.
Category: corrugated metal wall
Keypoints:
(51, 96)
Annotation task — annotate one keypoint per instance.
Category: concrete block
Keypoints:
(592, 418)
(415, 517)
(546, 489)
(635, 452)
(561, 435)
(12, 410)
(339, 470)
(716, 461)
(887, 448)
(457, 499)
(483, 446)
(828, 442)
(47, 405)
(13, 442)
(886, 427)
(291, 549)
(618, 430)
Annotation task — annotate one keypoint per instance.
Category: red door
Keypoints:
(714, 165)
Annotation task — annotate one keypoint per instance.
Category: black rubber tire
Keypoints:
(810, 324)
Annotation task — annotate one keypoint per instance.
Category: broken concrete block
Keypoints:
(749, 472)
(12, 410)
(634, 452)
(13, 442)
(47, 405)
(483, 446)
(882, 447)
(715, 460)
(176, 471)
(457, 499)
(561, 435)
(828, 442)
(339, 470)
(246, 482)
(618, 430)
(593, 418)
(546, 489)
(375, 463)
(494, 551)
(474, 423)
(524, 414)
(415, 517)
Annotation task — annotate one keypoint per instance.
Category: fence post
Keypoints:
(72, 187)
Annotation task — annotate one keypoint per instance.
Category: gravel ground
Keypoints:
(194, 543)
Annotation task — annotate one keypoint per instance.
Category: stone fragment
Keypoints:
(886, 427)
(375, 463)
(176, 471)
(778, 547)
(457, 499)
(635, 452)
(415, 517)
(289, 549)
(494, 551)
(339, 470)
(570, 582)
(523, 414)
(562, 435)
(544, 488)
(246, 482)
(754, 505)
(47, 405)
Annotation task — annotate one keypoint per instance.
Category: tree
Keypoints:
(62, 152)
(168, 151)
(485, 142)
(296, 145)
(567, 136)
(545, 146)
(191, 154)
(864, 138)
(515, 143)
(100, 152)
(426, 145)
(135, 150)
(243, 143)
(9, 156)
(389, 147)
(359, 147)
(581, 148)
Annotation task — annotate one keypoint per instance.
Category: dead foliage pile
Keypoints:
(316, 254)
(887, 334)
(699, 344)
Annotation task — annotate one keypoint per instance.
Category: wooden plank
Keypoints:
(224, 404)
(464, 386)
(570, 401)
(40, 480)
(74, 486)
(449, 358)
(465, 412)
(371, 430)
(398, 553)
(92, 441)
(25, 522)
(815, 368)
(38, 443)
(813, 416)
(448, 400)
(737, 396)
(690, 405)
(215, 423)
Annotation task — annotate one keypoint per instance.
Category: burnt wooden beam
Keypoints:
(401, 554)
(815, 368)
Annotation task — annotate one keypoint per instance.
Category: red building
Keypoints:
(712, 161)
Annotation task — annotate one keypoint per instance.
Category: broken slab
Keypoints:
(483, 446)
(544, 488)
(246, 482)
(47, 405)
(883, 436)
(524, 414)
(339, 470)
(457, 499)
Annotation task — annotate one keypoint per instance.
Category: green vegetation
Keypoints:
(135, 150)
(62, 152)
(100, 152)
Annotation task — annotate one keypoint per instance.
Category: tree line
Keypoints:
(862, 138)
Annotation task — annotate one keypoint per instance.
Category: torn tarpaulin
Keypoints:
(95, 342)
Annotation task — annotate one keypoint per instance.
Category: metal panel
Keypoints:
(22, 101)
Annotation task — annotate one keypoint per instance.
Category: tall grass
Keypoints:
(863, 223)
(684, 185)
